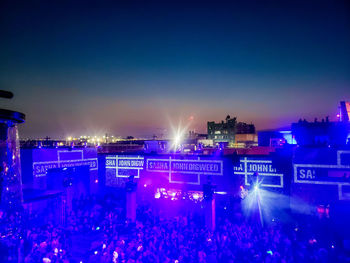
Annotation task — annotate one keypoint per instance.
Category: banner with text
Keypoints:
(185, 171)
(319, 173)
(44, 159)
(267, 173)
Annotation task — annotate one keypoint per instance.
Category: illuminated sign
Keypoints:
(185, 171)
(125, 166)
(335, 174)
(268, 174)
(62, 159)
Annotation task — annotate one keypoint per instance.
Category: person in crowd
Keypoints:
(156, 239)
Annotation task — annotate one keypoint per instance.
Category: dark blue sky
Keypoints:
(131, 68)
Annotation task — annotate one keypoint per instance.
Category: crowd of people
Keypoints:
(184, 238)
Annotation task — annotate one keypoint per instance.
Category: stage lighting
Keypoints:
(177, 140)
(220, 193)
(178, 134)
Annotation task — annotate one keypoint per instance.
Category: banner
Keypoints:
(122, 166)
(335, 174)
(264, 167)
(44, 159)
(177, 170)
(185, 171)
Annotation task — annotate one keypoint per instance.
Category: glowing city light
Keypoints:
(178, 134)
(177, 140)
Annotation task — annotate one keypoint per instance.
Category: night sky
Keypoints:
(129, 68)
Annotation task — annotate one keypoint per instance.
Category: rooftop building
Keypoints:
(225, 132)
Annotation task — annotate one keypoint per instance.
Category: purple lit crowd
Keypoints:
(38, 238)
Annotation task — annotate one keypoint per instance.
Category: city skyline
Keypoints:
(139, 68)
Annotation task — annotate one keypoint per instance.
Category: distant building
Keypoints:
(245, 140)
(321, 133)
(245, 135)
(157, 146)
(222, 132)
(276, 137)
(317, 133)
(227, 132)
(196, 136)
(244, 128)
(47, 142)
